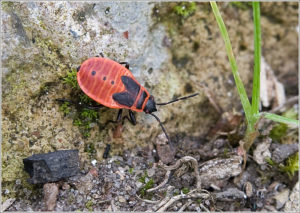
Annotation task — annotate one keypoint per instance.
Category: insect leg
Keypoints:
(62, 100)
(131, 118)
(106, 151)
(126, 64)
(101, 54)
(119, 117)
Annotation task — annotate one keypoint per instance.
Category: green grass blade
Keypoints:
(239, 84)
(257, 56)
(279, 118)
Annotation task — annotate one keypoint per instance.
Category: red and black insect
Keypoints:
(113, 85)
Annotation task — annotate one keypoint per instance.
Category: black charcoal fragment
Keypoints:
(51, 167)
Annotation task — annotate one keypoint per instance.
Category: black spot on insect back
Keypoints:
(93, 72)
(104, 78)
(141, 100)
(131, 86)
(124, 98)
(112, 82)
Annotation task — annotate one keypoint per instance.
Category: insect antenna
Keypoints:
(178, 99)
(163, 128)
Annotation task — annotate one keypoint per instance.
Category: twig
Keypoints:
(148, 201)
(7, 204)
(112, 204)
(192, 194)
(166, 199)
(185, 205)
(162, 184)
(291, 100)
(203, 207)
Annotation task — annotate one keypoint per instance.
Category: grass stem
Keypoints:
(257, 57)
(237, 79)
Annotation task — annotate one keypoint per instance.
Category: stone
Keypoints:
(122, 199)
(215, 170)
(292, 204)
(50, 195)
(51, 167)
(280, 152)
(231, 193)
(281, 198)
(262, 151)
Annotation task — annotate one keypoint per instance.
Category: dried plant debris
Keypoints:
(7, 204)
(272, 92)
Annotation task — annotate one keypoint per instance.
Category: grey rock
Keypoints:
(280, 152)
(231, 193)
(219, 169)
(281, 198)
(292, 203)
(262, 151)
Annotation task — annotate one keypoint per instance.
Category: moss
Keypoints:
(71, 79)
(199, 201)
(19, 190)
(65, 108)
(90, 148)
(84, 119)
(280, 130)
(176, 193)
(291, 165)
(148, 184)
(90, 114)
(7, 5)
(241, 5)
(130, 170)
(143, 178)
(44, 89)
(270, 161)
(185, 9)
(89, 205)
(185, 190)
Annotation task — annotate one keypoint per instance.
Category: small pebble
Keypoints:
(248, 189)
(122, 199)
(50, 195)
(66, 186)
(138, 184)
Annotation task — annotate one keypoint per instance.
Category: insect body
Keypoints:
(113, 85)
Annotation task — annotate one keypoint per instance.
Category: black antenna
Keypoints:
(163, 128)
(178, 99)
